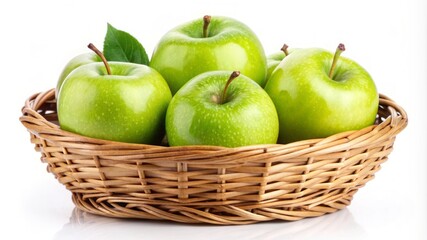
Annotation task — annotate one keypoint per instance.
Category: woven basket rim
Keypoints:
(33, 104)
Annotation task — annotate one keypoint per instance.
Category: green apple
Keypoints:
(273, 60)
(117, 101)
(317, 94)
(74, 63)
(211, 110)
(208, 44)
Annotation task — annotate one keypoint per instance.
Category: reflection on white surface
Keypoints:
(82, 225)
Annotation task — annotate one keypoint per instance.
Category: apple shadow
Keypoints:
(83, 225)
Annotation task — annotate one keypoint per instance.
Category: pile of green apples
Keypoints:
(209, 82)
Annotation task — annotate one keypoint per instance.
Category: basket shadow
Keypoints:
(83, 225)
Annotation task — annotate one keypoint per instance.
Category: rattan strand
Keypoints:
(207, 184)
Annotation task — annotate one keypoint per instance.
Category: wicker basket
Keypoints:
(206, 184)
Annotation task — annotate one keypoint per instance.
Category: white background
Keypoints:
(388, 38)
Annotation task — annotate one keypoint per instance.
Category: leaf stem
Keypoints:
(206, 22)
(99, 53)
(233, 76)
(338, 51)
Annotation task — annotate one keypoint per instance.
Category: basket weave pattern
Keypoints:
(206, 184)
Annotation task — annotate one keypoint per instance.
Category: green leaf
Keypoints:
(122, 47)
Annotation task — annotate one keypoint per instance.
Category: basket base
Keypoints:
(215, 213)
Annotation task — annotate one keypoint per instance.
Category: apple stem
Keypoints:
(206, 22)
(285, 49)
(340, 49)
(99, 53)
(233, 76)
